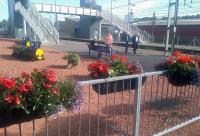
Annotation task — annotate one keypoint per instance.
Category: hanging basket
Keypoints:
(179, 79)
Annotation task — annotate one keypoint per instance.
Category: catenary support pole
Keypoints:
(175, 24)
(168, 29)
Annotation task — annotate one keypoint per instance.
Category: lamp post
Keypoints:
(55, 14)
(128, 15)
(175, 24)
(111, 2)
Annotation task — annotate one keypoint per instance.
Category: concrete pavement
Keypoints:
(147, 58)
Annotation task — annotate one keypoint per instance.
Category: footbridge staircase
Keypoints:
(42, 28)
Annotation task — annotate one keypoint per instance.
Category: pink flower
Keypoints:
(54, 91)
(22, 88)
(29, 85)
(176, 53)
(8, 98)
(46, 85)
(50, 76)
(1, 80)
(17, 100)
(25, 75)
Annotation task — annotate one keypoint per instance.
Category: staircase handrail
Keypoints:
(29, 20)
(122, 25)
(45, 23)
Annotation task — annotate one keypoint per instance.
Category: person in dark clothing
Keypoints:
(126, 45)
(135, 42)
(93, 42)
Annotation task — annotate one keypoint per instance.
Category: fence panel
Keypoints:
(143, 105)
(164, 106)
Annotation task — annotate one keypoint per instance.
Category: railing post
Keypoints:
(137, 105)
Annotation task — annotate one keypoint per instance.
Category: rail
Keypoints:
(144, 104)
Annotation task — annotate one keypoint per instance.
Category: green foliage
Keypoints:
(73, 59)
(70, 97)
(181, 73)
(23, 53)
(118, 68)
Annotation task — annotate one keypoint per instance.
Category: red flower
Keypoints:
(98, 69)
(8, 98)
(91, 66)
(114, 57)
(54, 91)
(29, 85)
(176, 53)
(46, 85)
(8, 83)
(123, 59)
(17, 100)
(50, 76)
(22, 88)
(184, 59)
(105, 69)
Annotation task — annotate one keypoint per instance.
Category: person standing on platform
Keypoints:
(126, 44)
(135, 42)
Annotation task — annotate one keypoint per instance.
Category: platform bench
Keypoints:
(100, 48)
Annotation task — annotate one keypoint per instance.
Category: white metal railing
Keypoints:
(122, 25)
(152, 107)
(51, 8)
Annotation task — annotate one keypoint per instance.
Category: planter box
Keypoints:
(116, 86)
(178, 79)
(25, 53)
(14, 117)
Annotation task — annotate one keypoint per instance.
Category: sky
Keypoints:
(141, 8)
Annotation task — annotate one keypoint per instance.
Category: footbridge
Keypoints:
(42, 29)
(102, 14)
(70, 10)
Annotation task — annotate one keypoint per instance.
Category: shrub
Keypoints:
(73, 59)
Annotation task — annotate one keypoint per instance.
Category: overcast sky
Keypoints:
(141, 8)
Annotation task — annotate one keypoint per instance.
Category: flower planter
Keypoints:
(14, 116)
(178, 79)
(28, 53)
(182, 68)
(35, 95)
(116, 86)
